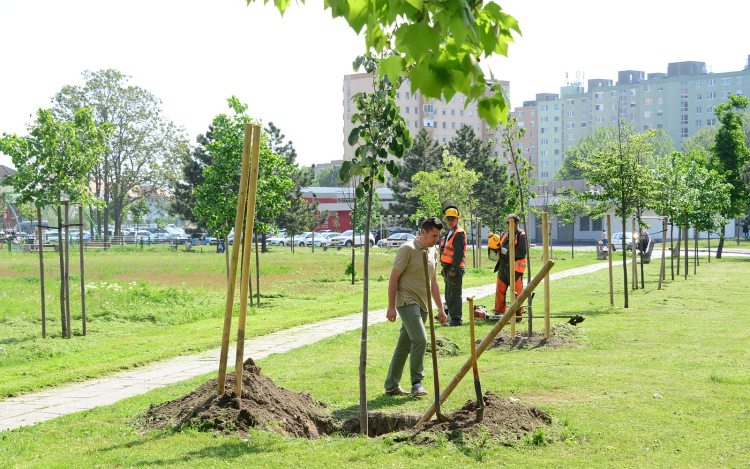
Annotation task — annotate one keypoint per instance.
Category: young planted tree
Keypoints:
(54, 161)
(424, 156)
(623, 180)
(732, 154)
(217, 196)
(328, 177)
(568, 208)
(379, 131)
(138, 210)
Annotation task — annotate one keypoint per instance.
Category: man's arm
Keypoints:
(521, 248)
(390, 313)
(438, 300)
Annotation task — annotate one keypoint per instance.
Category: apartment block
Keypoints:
(441, 119)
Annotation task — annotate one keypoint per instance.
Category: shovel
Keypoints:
(477, 384)
(439, 415)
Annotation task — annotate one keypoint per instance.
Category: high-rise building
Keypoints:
(680, 102)
(441, 119)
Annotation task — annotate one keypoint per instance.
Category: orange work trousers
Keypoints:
(501, 287)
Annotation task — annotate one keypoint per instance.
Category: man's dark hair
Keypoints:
(515, 217)
(431, 223)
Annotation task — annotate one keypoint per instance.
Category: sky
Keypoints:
(194, 54)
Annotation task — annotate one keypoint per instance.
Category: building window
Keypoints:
(461, 113)
(543, 141)
(571, 102)
(613, 119)
(683, 106)
(531, 113)
(647, 88)
(698, 83)
(570, 137)
(443, 111)
(585, 225)
(724, 94)
(711, 82)
(698, 123)
(557, 141)
(632, 103)
(659, 113)
(684, 132)
(557, 152)
(407, 95)
(709, 109)
(543, 153)
(557, 163)
(571, 113)
(532, 132)
(659, 87)
(613, 94)
(444, 124)
(648, 114)
(533, 145)
(544, 163)
(521, 124)
(545, 174)
(416, 124)
(711, 96)
(710, 122)
(416, 110)
(398, 95)
(557, 118)
(684, 119)
(599, 95)
(648, 101)
(543, 130)
(444, 142)
(557, 130)
(544, 108)
(739, 80)
(698, 110)
(471, 113)
(583, 100)
(408, 110)
(453, 112)
(614, 106)
(632, 91)
(660, 100)
(659, 126)
(557, 107)
(583, 124)
(646, 127)
(519, 114)
(598, 107)
(632, 118)
(683, 92)
(623, 112)
(596, 224)
(453, 125)
(623, 100)
(543, 119)
(599, 119)
(698, 97)
(583, 112)
(726, 81)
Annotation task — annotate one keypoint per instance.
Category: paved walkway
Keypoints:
(29, 409)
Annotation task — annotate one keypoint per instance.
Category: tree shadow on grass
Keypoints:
(382, 403)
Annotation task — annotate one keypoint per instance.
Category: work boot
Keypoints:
(417, 390)
(396, 391)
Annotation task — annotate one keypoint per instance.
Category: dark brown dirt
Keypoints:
(521, 341)
(504, 422)
(263, 405)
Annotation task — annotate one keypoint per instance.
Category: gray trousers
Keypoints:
(412, 342)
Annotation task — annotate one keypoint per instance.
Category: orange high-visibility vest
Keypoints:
(446, 248)
(520, 264)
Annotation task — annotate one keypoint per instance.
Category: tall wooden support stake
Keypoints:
(510, 315)
(229, 306)
(512, 267)
(66, 204)
(685, 219)
(545, 258)
(479, 246)
(663, 269)
(249, 225)
(634, 257)
(609, 259)
(61, 251)
(41, 270)
(257, 270)
(83, 280)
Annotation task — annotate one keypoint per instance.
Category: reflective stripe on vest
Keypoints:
(446, 248)
(520, 264)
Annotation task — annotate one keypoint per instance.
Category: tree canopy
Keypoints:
(452, 181)
(438, 45)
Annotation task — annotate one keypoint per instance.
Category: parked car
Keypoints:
(74, 236)
(345, 239)
(302, 239)
(280, 240)
(322, 239)
(397, 239)
(617, 240)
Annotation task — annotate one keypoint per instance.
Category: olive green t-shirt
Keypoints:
(411, 283)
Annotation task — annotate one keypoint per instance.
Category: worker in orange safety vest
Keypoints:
(500, 244)
(453, 262)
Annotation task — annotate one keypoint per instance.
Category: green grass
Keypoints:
(142, 304)
(685, 342)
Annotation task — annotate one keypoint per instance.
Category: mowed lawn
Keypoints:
(664, 383)
(144, 305)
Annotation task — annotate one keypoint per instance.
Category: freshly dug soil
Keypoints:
(537, 340)
(263, 405)
(504, 422)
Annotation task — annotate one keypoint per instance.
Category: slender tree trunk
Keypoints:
(365, 307)
(721, 241)
(709, 247)
(41, 270)
(685, 218)
(679, 247)
(67, 269)
(625, 260)
(671, 246)
(354, 224)
(695, 260)
(572, 241)
(257, 271)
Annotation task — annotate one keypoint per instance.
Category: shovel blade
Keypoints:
(480, 400)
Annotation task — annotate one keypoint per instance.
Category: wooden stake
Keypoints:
(512, 267)
(634, 257)
(67, 268)
(662, 270)
(479, 243)
(249, 225)
(257, 270)
(63, 318)
(545, 258)
(609, 258)
(510, 315)
(83, 280)
(229, 306)
(687, 252)
(41, 270)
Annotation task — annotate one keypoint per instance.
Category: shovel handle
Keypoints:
(471, 334)
(432, 331)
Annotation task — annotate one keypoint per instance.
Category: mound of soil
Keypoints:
(504, 422)
(537, 340)
(263, 405)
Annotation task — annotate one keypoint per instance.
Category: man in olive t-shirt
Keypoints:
(407, 296)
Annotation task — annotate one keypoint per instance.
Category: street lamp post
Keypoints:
(314, 225)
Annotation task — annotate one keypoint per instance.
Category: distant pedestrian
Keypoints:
(643, 240)
(604, 238)
(746, 231)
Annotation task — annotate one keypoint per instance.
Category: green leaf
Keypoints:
(417, 39)
(423, 79)
(354, 136)
(392, 67)
(356, 14)
(417, 4)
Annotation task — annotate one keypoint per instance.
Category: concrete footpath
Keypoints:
(29, 409)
